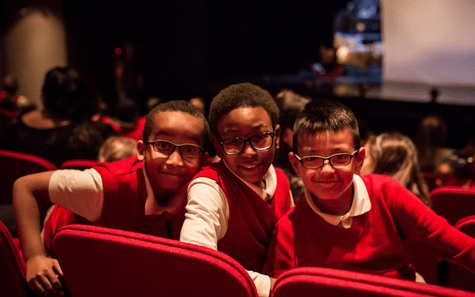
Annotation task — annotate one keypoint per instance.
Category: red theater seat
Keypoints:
(101, 262)
(322, 282)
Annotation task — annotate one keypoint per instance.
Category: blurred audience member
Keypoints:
(395, 155)
(129, 82)
(430, 140)
(200, 103)
(290, 104)
(11, 104)
(117, 148)
(62, 128)
(454, 171)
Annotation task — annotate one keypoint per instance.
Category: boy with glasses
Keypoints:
(234, 204)
(145, 193)
(351, 222)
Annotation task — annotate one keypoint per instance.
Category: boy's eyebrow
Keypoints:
(233, 129)
(198, 139)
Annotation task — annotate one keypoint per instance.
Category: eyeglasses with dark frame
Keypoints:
(336, 160)
(166, 148)
(260, 142)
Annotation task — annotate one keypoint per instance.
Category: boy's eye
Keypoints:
(234, 141)
(340, 157)
(163, 144)
(311, 159)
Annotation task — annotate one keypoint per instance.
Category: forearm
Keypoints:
(27, 214)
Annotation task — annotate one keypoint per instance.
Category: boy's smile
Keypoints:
(330, 186)
(246, 122)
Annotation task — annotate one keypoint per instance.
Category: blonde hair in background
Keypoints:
(396, 155)
(117, 148)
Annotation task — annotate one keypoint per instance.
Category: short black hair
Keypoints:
(241, 95)
(323, 115)
(174, 105)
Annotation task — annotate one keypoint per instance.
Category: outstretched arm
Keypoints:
(41, 271)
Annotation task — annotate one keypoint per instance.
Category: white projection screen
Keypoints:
(429, 43)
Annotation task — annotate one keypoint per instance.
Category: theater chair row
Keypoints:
(99, 261)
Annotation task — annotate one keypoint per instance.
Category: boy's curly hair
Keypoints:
(241, 95)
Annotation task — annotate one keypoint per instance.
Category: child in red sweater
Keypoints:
(352, 222)
(145, 193)
(234, 204)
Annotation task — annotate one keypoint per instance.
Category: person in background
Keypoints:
(145, 193)
(455, 171)
(62, 128)
(117, 148)
(431, 139)
(234, 204)
(200, 103)
(395, 155)
(290, 104)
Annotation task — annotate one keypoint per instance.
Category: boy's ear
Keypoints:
(204, 159)
(141, 146)
(295, 163)
(359, 160)
(217, 146)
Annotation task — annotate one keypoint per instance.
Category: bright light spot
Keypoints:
(118, 51)
(342, 54)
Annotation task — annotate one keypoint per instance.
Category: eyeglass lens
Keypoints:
(186, 150)
(258, 142)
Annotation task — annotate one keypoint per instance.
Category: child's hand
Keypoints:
(42, 276)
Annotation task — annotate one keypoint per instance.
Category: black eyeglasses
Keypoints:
(259, 142)
(166, 148)
(336, 160)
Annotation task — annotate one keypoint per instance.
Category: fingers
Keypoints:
(42, 276)
(46, 285)
(57, 267)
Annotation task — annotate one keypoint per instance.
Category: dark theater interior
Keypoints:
(406, 69)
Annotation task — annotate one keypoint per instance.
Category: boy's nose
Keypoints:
(327, 166)
(175, 158)
(248, 149)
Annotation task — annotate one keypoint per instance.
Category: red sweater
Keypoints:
(124, 203)
(251, 219)
(374, 243)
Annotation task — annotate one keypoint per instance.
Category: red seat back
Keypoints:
(99, 261)
(453, 203)
(316, 281)
(16, 165)
(78, 164)
(12, 266)
(459, 277)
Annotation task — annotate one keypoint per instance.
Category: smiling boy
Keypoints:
(145, 193)
(351, 222)
(234, 204)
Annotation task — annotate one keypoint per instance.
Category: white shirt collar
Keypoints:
(361, 204)
(151, 205)
(270, 180)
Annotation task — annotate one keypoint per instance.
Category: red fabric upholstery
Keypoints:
(78, 164)
(453, 203)
(98, 261)
(12, 266)
(459, 277)
(15, 165)
(315, 281)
